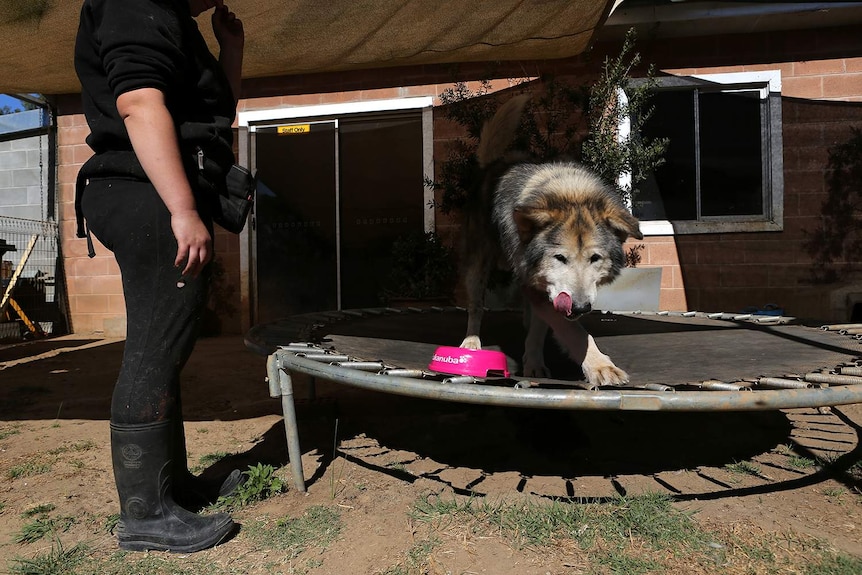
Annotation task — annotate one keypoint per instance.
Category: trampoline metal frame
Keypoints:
(809, 391)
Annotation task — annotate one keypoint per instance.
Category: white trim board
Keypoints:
(256, 116)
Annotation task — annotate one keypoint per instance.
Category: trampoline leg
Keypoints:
(285, 389)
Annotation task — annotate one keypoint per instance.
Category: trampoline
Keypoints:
(678, 362)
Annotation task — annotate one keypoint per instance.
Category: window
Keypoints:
(723, 166)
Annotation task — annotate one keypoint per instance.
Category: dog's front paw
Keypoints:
(535, 367)
(605, 374)
(472, 342)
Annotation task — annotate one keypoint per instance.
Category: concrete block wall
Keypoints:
(24, 170)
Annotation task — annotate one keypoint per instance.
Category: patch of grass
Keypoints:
(111, 522)
(122, 563)
(619, 562)
(42, 526)
(800, 462)
(261, 483)
(8, 432)
(208, 459)
(744, 468)
(39, 510)
(417, 559)
(651, 518)
(57, 561)
(835, 492)
(835, 564)
(319, 526)
(77, 447)
(28, 469)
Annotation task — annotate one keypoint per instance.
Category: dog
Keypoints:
(560, 230)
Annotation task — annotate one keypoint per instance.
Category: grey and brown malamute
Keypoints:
(560, 229)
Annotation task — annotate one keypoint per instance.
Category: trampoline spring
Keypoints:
(524, 384)
(840, 326)
(689, 313)
(779, 383)
(401, 372)
(658, 387)
(362, 365)
(301, 347)
(324, 357)
(460, 379)
(714, 385)
(833, 379)
(848, 370)
(850, 331)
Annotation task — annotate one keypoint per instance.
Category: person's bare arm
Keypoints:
(229, 33)
(153, 136)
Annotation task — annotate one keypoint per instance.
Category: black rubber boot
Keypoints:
(150, 519)
(191, 491)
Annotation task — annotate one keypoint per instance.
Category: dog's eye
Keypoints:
(561, 258)
(594, 258)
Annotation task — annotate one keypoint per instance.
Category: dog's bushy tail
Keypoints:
(499, 132)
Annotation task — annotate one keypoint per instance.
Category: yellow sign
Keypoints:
(295, 129)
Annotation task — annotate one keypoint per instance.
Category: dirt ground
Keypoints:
(54, 406)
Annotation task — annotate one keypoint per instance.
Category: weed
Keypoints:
(318, 526)
(42, 526)
(57, 561)
(261, 483)
(28, 469)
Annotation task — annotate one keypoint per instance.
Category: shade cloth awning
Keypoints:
(37, 37)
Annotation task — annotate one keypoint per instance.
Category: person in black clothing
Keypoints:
(157, 103)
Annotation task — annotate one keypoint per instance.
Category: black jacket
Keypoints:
(123, 46)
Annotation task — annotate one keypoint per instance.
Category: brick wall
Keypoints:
(822, 89)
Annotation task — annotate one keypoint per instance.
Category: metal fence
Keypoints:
(31, 304)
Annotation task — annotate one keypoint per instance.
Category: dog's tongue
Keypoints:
(563, 303)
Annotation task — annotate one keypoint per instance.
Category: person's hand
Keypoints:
(194, 243)
(227, 27)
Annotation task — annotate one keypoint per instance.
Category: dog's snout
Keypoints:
(581, 309)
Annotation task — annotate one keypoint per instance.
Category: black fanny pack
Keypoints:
(232, 193)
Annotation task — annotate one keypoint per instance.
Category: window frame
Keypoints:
(768, 82)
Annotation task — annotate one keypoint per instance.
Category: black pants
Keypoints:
(162, 318)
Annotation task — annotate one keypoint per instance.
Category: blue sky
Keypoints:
(9, 101)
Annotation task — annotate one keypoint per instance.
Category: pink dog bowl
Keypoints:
(461, 361)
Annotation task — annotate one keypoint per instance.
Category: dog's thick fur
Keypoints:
(560, 229)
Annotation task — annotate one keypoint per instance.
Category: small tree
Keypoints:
(615, 101)
(575, 122)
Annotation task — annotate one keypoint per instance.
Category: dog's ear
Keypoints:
(624, 225)
(529, 221)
